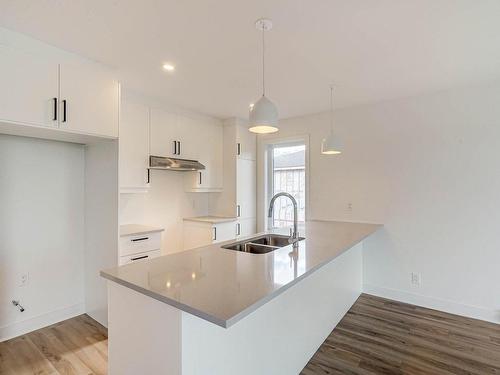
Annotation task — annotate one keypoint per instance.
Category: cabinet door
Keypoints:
(89, 100)
(247, 227)
(224, 231)
(246, 143)
(134, 146)
(209, 145)
(189, 137)
(213, 154)
(246, 190)
(163, 133)
(29, 88)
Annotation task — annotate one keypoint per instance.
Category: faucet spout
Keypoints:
(295, 234)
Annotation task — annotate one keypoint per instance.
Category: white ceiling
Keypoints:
(372, 49)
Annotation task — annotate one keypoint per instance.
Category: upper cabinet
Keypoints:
(89, 100)
(208, 141)
(190, 137)
(29, 89)
(164, 140)
(173, 135)
(134, 146)
(78, 96)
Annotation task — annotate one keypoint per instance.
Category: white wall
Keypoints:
(101, 223)
(427, 167)
(41, 232)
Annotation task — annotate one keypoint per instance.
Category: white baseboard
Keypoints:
(451, 307)
(20, 328)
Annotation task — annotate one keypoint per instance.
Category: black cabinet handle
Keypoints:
(142, 257)
(215, 233)
(64, 110)
(238, 229)
(178, 147)
(54, 100)
(200, 177)
(140, 239)
(175, 148)
(238, 148)
(238, 210)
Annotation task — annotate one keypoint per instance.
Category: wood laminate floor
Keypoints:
(377, 336)
(75, 346)
(380, 336)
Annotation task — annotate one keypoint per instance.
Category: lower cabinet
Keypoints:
(246, 227)
(198, 234)
(141, 256)
(136, 247)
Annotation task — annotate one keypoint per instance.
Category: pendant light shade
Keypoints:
(263, 116)
(331, 145)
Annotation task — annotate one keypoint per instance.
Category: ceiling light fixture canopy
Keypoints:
(263, 116)
(331, 145)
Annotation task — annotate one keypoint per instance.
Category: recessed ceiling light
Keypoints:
(168, 67)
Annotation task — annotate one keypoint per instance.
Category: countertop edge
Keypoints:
(146, 231)
(211, 221)
(166, 300)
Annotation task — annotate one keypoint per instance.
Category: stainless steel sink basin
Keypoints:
(261, 244)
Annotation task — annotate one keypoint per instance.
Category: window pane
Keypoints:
(288, 176)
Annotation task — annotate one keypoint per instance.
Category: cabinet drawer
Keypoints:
(140, 243)
(138, 257)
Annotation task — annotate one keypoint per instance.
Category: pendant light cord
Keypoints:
(331, 108)
(263, 62)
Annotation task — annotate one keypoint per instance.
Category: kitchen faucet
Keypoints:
(294, 236)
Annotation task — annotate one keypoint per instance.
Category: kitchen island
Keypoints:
(213, 310)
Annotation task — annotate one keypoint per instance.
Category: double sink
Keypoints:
(261, 244)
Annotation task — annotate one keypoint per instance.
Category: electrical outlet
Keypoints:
(416, 279)
(349, 207)
(23, 279)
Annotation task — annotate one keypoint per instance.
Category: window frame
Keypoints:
(266, 149)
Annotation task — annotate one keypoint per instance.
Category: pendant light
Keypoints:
(263, 117)
(331, 145)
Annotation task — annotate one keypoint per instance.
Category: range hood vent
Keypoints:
(173, 164)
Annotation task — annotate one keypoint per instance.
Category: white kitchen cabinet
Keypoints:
(139, 244)
(190, 133)
(246, 189)
(29, 88)
(246, 143)
(174, 135)
(209, 139)
(197, 234)
(240, 190)
(163, 133)
(134, 146)
(89, 100)
(76, 97)
(246, 227)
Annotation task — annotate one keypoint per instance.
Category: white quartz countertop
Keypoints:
(223, 286)
(134, 229)
(210, 219)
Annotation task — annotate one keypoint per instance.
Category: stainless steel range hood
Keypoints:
(173, 164)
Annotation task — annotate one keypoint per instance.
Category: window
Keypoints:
(287, 169)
